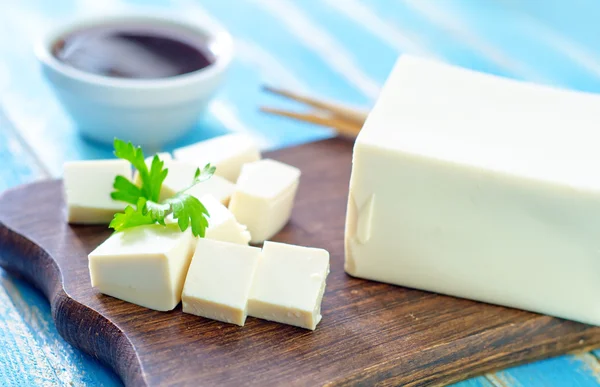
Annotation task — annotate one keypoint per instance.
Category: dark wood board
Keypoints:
(371, 333)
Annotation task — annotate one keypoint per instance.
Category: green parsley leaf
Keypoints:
(157, 176)
(158, 211)
(125, 190)
(131, 217)
(187, 209)
(152, 179)
(206, 173)
(201, 175)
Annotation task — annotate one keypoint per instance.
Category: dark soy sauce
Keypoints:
(135, 50)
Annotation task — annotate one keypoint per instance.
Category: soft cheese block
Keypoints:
(222, 225)
(228, 153)
(264, 197)
(479, 187)
(88, 185)
(145, 265)
(289, 285)
(219, 280)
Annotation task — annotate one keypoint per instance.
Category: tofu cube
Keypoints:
(222, 225)
(289, 285)
(228, 153)
(219, 280)
(145, 265)
(217, 187)
(479, 187)
(164, 156)
(264, 197)
(88, 185)
(181, 176)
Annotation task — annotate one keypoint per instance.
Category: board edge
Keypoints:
(24, 258)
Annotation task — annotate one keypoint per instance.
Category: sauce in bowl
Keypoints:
(134, 50)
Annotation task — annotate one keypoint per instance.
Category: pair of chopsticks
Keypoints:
(345, 120)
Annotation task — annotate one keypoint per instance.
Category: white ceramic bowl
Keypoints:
(148, 112)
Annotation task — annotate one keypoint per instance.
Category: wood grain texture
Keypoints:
(33, 353)
(371, 333)
(42, 358)
(558, 42)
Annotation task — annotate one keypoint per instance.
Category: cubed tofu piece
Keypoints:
(264, 197)
(476, 186)
(88, 185)
(145, 265)
(181, 176)
(217, 187)
(164, 156)
(228, 153)
(219, 280)
(222, 225)
(289, 285)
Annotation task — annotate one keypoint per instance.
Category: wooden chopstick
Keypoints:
(345, 128)
(345, 112)
(346, 120)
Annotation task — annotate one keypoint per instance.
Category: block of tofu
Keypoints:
(181, 176)
(217, 187)
(219, 280)
(222, 225)
(228, 153)
(264, 197)
(88, 185)
(145, 265)
(479, 187)
(289, 285)
(164, 156)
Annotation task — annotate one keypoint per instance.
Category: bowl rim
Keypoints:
(207, 28)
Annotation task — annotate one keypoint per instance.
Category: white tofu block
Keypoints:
(164, 156)
(264, 197)
(180, 177)
(289, 285)
(217, 187)
(479, 187)
(222, 225)
(88, 185)
(228, 153)
(145, 265)
(219, 280)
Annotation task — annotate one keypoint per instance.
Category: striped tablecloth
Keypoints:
(338, 49)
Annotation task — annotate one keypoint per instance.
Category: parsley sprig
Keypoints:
(185, 208)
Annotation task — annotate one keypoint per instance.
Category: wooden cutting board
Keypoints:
(371, 333)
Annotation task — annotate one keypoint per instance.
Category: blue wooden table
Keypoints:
(339, 49)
